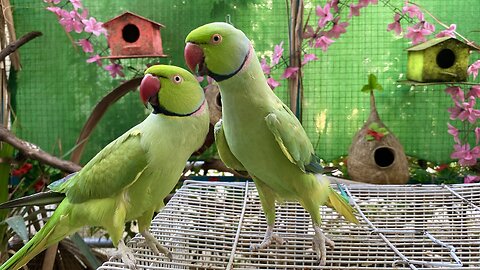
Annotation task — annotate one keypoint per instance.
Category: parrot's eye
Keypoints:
(216, 38)
(177, 79)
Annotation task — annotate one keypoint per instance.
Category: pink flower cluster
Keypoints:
(418, 32)
(79, 21)
(328, 27)
(464, 110)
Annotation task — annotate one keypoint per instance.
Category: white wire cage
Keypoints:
(211, 225)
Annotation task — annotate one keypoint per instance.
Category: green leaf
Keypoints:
(17, 223)
(372, 84)
(85, 250)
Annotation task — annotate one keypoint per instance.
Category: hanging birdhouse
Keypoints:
(376, 156)
(442, 59)
(133, 36)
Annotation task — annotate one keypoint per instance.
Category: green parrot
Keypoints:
(130, 177)
(259, 134)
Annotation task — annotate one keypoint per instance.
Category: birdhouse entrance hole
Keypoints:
(445, 58)
(384, 156)
(130, 33)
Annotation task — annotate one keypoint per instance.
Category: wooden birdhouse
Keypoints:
(442, 59)
(133, 36)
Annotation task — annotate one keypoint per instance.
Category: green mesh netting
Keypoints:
(56, 90)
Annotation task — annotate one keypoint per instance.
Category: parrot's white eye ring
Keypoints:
(216, 38)
(177, 79)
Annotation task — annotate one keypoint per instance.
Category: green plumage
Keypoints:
(259, 132)
(132, 175)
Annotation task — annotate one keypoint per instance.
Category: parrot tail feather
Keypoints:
(337, 202)
(48, 235)
(42, 198)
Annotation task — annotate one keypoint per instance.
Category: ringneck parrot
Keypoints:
(130, 177)
(259, 134)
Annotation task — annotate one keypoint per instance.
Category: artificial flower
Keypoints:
(115, 70)
(265, 67)
(450, 32)
(86, 45)
(470, 179)
(324, 14)
(395, 26)
(96, 58)
(323, 42)
(473, 69)
(354, 10)
(468, 112)
(465, 155)
(94, 27)
(337, 28)
(454, 132)
(289, 72)
(272, 83)
(413, 11)
(277, 53)
(308, 57)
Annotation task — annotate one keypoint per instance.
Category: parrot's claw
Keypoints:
(155, 246)
(125, 254)
(319, 241)
(269, 238)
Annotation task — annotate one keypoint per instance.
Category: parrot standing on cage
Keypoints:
(259, 133)
(132, 175)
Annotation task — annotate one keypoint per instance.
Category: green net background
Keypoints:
(56, 89)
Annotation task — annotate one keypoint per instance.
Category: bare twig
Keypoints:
(12, 47)
(98, 112)
(34, 152)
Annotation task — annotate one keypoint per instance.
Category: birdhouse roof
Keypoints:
(434, 41)
(105, 24)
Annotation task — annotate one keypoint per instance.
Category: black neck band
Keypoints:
(221, 77)
(160, 109)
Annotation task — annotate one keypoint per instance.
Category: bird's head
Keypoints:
(171, 91)
(216, 49)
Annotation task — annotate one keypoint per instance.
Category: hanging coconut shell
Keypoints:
(376, 156)
(214, 100)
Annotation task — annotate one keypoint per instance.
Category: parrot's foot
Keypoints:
(269, 238)
(319, 240)
(125, 254)
(154, 245)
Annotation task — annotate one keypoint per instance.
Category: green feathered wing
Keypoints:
(113, 169)
(224, 151)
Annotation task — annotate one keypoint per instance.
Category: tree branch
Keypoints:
(34, 152)
(17, 44)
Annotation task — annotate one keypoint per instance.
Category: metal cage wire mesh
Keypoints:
(212, 225)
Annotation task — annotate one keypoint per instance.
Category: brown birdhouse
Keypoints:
(376, 156)
(442, 59)
(133, 36)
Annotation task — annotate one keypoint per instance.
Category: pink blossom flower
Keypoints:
(465, 155)
(115, 69)
(323, 42)
(427, 26)
(55, 2)
(470, 179)
(308, 57)
(76, 4)
(337, 28)
(94, 27)
(265, 67)
(474, 91)
(413, 11)
(69, 21)
(473, 69)
(454, 132)
(324, 14)
(55, 10)
(355, 10)
(277, 53)
(84, 14)
(96, 58)
(309, 33)
(334, 5)
(365, 3)
(450, 32)
(456, 93)
(455, 111)
(469, 112)
(417, 34)
(395, 26)
(289, 72)
(86, 45)
(272, 83)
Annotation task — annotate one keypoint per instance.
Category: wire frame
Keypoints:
(212, 225)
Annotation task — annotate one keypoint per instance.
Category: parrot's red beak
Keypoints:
(149, 88)
(194, 57)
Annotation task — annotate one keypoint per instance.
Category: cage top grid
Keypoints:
(212, 225)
